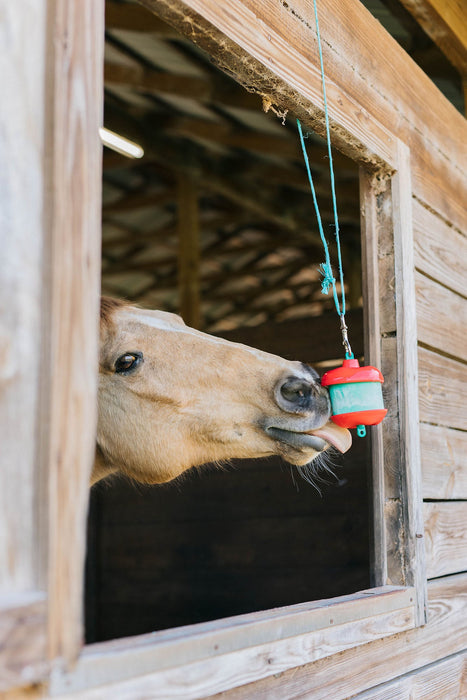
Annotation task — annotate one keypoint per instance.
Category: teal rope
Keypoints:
(326, 268)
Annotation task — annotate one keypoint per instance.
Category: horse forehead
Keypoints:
(160, 320)
(173, 324)
(149, 325)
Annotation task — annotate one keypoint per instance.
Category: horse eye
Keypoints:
(128, 362)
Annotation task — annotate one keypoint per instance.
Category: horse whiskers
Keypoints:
(316, 471)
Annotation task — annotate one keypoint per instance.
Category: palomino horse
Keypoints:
(171, 398)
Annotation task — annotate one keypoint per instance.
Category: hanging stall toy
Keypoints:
(355, 392)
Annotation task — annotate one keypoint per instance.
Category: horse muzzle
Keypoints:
(304, 424)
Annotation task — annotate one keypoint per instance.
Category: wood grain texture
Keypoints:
(23, 640)
(271, 49)
(444, 462)
(358, 670)
(441, 318)
(338, 677)
(72, 273)
(371, 279)
(445, 537)
(341, 629)
(440, 250)
(20, 277)
(23, 605)
(411, 547)
(446, 679)
(390, 425)
(442, 389)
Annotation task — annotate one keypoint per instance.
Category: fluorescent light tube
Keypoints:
(120, 144)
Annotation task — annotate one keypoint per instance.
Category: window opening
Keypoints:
(252, 535)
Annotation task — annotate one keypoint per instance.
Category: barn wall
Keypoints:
(363, 669)
(441, 265)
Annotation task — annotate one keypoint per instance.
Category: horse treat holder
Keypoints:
(355, 392)
(356, 395)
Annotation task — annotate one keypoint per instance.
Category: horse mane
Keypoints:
(108, 306)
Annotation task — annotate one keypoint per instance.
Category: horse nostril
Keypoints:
(301, 395)
(296, 390)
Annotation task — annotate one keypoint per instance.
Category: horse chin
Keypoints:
(300, 458)
(301, 447)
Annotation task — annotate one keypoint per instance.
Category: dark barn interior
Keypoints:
(216, 222)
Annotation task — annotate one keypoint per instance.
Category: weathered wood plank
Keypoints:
(413, 557)
(71, 301)
(357, 670)
(365, 102)
(442, 390)
(346, 623)
(445, 21)
(441, 317)
(21, 146)
(445, 537)
(252, 29)
(390, 425)
(23, 640)
(440, 250)
(371, 233)
(444, 462)
(446, 679)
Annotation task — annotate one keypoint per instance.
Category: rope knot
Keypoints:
(328, 278)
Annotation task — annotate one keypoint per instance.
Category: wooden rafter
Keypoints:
(445, 22)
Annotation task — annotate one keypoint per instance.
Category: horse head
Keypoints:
(171, 397)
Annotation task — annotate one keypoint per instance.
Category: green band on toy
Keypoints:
(356, 396)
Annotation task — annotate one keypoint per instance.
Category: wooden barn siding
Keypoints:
(361, 669)
(445, 680)
(441, 262)
(339, 676)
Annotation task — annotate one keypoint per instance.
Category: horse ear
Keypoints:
(108, 308)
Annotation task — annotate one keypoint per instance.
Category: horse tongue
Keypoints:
(340, 438)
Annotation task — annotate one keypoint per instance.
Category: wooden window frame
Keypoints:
(202, 659)
(209, 657)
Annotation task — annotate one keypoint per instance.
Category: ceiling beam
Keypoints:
(445, 22)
